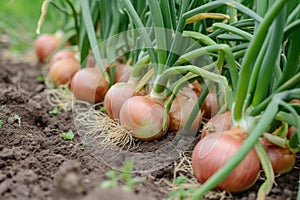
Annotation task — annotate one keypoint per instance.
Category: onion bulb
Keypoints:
(62, 54)
(89, 85)
(218, 124)
(45, 45)
(210, 106)
(143, 115)
(282, 159)
(62, 71)
(122, 73)
(214, 151)
(181, 109)
(116, 96)
(291, 131)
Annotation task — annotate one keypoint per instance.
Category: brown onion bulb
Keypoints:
(282, 159)
(291, 131)
(143, 115)
(122, 73)
(116, 96)
(62, 54)
(214, 151)
(45, 45)
(62, 71)
(218, 123)
(210, 106)
(89, 85)
(181, 109)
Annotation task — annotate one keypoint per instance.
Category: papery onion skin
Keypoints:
(210, 106)
(88, 84)
(62, 54)
(218, 123)
(62, 71)
(214, 151)
(45, 45)
(291, 131)
(116, 96)
(122, 73)
(143, 115)
(181, 109)
(282, 160)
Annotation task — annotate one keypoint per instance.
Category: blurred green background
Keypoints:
(18, 23)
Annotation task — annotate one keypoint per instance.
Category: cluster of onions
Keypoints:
(136, 110)
(219, 141)
(143, 114)
(214, 150)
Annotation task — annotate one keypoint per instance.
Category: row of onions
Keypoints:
(164, 66)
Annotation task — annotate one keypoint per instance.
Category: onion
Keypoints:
(116, 96)
(282, 159)
(89, 85)
(218, 123)
(143, 115)
(45, 45)
(181, 109)
(62, 54)
(214, 151)
(291, 131)
(62, 71)
(210, 106)
(122, 72)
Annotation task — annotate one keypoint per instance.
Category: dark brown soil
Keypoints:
(36, 163)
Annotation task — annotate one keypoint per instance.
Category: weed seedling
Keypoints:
(40, 78)
(1, 123)
(67, 135)
(181, 192)
(17, 118)
(28, 134)
(125, 175)
(55, 111)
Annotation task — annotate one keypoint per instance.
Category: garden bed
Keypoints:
(36, 163)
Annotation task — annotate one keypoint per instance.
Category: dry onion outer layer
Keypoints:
(143, 115)
(215, 150)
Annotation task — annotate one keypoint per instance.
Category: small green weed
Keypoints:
(17, 118)
(181, 192)
(40, 78)
(55, 111)
(125, 175)
(28, 134)
(1, 123)
(67, 135)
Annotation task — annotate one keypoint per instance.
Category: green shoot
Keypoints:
(40, 78)
(1, 123)
(28, 134)
(67, 135)
(17, 118)
(55, 111)
(181, 192)
(102, 109)
(124, 175)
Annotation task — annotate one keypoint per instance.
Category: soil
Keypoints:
(36, 163)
